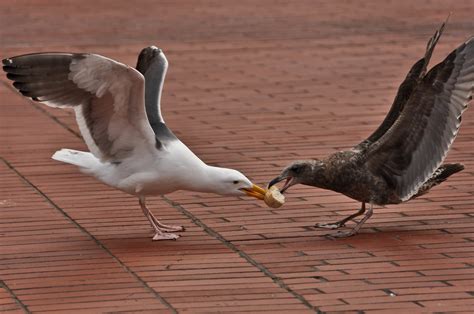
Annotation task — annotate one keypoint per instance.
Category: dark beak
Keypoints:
(289, 182)
(275, 181)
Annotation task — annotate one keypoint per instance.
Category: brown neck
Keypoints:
(315, 175)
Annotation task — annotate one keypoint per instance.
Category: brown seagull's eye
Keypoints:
(295, 169)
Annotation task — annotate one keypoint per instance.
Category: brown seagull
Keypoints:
(403, 158)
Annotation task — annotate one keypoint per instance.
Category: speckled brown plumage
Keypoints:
(403, 158)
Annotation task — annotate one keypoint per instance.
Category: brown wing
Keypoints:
(413, 78)
(417, 143)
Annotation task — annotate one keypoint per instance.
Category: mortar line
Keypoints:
(92, 237)
(14, 296)
(241, 253)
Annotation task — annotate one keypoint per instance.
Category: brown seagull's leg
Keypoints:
(162, 231)
(345, 234)
(342, 222)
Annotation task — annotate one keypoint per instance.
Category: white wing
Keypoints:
(107, 96)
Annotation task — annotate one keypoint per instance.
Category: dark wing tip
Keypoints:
(7, 61)
(430, 46)
(24, 93)
(16, 84)
(7, 65)
(147, 57)
(11, 76)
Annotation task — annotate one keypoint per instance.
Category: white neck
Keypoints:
(208, 179)
(195, 175)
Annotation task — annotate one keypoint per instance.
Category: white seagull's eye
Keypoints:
(236, 182)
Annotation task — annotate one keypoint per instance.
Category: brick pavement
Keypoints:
(252, 85)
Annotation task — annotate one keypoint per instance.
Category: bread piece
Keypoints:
(273, 197)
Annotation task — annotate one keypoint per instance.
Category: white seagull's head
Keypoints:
(225, 181)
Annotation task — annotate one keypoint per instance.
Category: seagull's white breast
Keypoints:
(167, 170)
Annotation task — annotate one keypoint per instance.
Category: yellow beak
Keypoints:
(256, 192)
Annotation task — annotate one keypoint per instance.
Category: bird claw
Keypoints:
(165, 236)
(341, 234)
(332, 226)
(172, 229)
(180, 228)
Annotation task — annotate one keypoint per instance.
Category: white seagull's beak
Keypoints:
(255, 191)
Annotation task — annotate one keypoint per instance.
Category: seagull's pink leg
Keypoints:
(162, 231)
(345, 234)
(342, 222)
(164, 227)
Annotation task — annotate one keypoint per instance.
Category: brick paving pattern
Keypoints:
(252, 85)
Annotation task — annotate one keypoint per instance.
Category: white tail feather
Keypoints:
(85, 160)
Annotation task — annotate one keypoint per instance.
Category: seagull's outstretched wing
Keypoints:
(153, 65)
(413, 78)
(108, 98)
(417, 143)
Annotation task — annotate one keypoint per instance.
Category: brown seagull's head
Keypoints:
(300, 171)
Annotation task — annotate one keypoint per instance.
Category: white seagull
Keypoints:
(118, 112)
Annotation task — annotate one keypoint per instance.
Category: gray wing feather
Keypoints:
(153, 65)
(413, 78)
(106, 95)
(415, 146)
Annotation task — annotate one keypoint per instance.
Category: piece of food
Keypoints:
(273, 197)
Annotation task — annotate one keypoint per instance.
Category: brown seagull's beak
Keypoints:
(289, 182)
(255, 191)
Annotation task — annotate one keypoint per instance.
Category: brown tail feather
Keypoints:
(439, 176)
